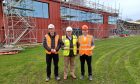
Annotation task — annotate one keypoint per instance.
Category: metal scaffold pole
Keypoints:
(19, 22)
(19, 25)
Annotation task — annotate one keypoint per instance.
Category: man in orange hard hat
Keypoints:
(86, 46)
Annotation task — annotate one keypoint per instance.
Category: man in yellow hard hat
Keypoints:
(52, 44)
(86, 46)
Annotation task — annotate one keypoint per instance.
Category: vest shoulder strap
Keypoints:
(63, 37)
(47, 37)
(80, 37)
(74, 36)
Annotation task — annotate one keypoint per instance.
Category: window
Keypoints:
(41, 9)
(78, 15)
(31, 8)
(112, 20)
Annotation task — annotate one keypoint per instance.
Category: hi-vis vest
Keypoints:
(67, 45)
(85, 45)
(48, 41)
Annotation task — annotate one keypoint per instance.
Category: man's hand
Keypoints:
(92, 47)
(53, 51)
(65, 48)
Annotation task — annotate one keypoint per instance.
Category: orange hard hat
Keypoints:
(84, 27)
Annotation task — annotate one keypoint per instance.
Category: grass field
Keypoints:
(115, 61)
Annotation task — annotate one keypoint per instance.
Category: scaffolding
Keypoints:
(69, 19)
(95, 8)
(18, 21)
(128, 27)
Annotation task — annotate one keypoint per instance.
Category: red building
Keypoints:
(62, 13)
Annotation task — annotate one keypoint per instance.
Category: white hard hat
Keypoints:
(69, 28)
(50, 26)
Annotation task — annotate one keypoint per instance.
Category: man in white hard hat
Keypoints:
(69, 43)
(52, 45)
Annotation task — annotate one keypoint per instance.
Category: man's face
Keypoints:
(85, 32)
(51, 30)
(69, 33)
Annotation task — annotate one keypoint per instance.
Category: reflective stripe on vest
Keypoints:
(67, 45)
(48, 41)
(85, 45)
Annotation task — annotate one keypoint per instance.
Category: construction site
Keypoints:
(26, 21)
(105, 51)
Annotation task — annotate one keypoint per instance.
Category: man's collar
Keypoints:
(51, 35)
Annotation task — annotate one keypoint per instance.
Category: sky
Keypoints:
(128, 8)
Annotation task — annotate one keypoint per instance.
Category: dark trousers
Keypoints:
(49, 58)
(88, 59)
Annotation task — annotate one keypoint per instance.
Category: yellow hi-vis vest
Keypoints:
(48, 41)
(67, 45)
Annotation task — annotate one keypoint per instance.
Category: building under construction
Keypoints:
(125, 28)
(27, 20)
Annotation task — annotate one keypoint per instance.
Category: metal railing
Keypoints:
(91, 5)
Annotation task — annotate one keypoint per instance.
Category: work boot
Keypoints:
(47, 79)
(65, 77)
(73, 76)
(57, 78)
(82, 77)
(90, 77)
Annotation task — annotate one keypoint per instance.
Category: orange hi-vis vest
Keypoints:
(48, 41)
(85, 45)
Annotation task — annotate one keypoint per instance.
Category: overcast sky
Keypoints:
(129, 8)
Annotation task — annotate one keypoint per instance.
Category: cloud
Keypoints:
(130, 9)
